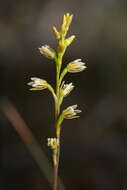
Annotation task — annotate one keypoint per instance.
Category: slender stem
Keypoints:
(64, 72)
(57, 81)
(57, 110)
(57, 107)
(55, 178)
(53, 93)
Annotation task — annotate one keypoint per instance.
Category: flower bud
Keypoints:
(65, 89)
(63, 25)
(57, 34)
(69, 40)
(53, 142)
(37, 83)
(67, 18)
(71, 112)
(76, 66)
(48, 52)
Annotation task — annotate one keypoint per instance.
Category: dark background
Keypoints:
(94, 147)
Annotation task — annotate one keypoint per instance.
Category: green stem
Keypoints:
(58, 60)
(64, 72)
(55, 179)
(57, 110)
(58, 125)
(53, 93)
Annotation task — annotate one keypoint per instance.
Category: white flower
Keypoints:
(71, 112)
(65, 89)
(37, 83)
(47, 51)
(53, 142)
(76, 66)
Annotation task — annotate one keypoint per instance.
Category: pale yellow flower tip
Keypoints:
(47, 51)
(65, 89)
(71, 112)
(53, 142)
(67, 18)
(76, 66)
(57, 34)
(37, 83)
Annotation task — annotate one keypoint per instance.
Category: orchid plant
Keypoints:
(62, 89)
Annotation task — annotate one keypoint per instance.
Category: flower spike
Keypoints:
(61, 89)
(38, 84)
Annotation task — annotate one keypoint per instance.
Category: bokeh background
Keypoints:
(94, 147)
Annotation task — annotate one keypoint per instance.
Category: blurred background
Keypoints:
(94, 147)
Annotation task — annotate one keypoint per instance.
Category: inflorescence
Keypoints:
(62, 89)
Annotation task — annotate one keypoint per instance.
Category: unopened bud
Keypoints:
(38, 84)
(69, 40)
(67, 18)
(48, 52)
(53, 142)
(57, 34)
(76, 66)
(71, 112)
